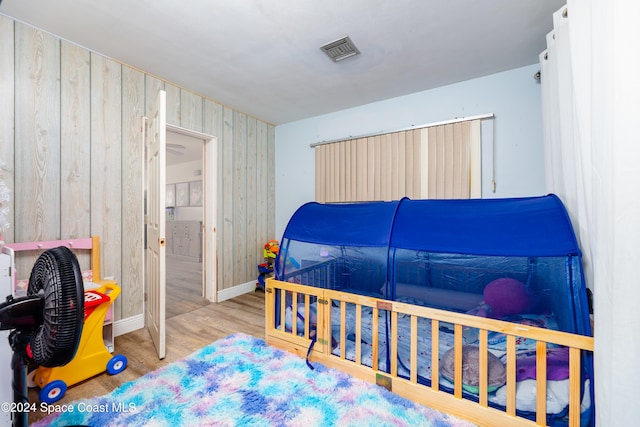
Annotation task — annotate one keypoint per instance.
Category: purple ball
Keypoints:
(506, 296)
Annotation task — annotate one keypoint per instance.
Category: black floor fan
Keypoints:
(47, 323)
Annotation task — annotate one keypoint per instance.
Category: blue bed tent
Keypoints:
(422, 251)
(442, 253)
(352, 238)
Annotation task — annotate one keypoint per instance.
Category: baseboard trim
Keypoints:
(236, 291)
(129, 324)
(133, 323)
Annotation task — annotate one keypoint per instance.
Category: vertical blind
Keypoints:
(436, 162)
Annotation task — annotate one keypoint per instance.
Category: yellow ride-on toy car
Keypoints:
(92, 357)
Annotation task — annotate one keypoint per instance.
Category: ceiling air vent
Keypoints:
(340, 49)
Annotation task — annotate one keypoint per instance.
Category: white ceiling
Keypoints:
(263, 57)
(183, 149)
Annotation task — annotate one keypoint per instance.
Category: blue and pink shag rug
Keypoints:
(241, 381)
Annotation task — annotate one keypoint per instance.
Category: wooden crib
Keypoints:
(298, 339)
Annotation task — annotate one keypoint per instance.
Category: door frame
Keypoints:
(210, 197)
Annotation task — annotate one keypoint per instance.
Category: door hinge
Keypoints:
(323, 301)
(384, 305)
(384, 381)
(322, 341)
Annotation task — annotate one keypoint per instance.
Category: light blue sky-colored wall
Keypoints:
(513, 96)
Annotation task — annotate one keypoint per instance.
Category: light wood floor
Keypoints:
(184, 286)
(187, 331)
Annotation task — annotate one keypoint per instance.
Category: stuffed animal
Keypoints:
(471, 369)
(300, 318)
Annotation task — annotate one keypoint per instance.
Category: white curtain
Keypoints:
(591, 108)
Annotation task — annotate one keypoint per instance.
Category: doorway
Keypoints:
(189, 200)
(155, 135)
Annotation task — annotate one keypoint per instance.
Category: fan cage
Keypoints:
(57, 277)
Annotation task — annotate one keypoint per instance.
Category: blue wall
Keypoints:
(513, 96)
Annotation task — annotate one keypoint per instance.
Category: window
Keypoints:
(435, 162)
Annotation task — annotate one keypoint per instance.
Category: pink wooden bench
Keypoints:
(90, 277)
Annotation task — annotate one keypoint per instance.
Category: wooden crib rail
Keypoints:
(322, 274)
(479, 412)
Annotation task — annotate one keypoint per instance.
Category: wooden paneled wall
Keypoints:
(71, 142)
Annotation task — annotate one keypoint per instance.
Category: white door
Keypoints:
(156, 239)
